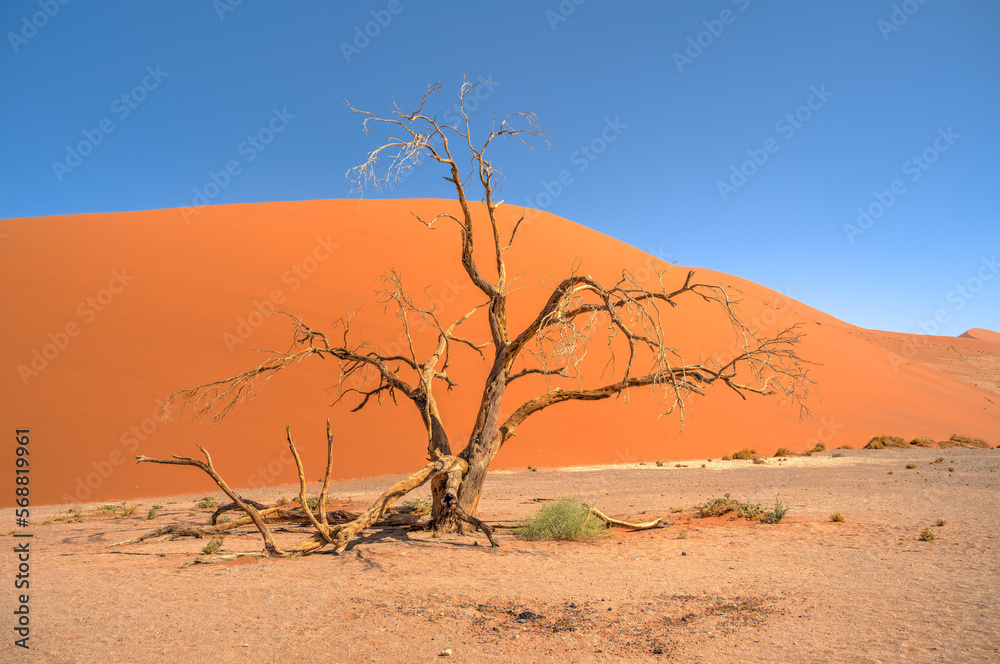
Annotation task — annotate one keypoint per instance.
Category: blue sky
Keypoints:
(736, 135)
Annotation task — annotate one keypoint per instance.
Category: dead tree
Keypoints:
(626, 315)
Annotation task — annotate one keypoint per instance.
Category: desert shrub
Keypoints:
(726, 458)
(923, 441)
(845, 447)
(283, 500)
(682, 535)
(927, 535)
(941, 522)
(965, 441)
(777, 513)
(784, 452)
(938, 460)
(883, 442)
(565, 519)
(129, 510)
(418, 506)
(759, 461)
(911, 466)
(533, 469)
(151, 514)
(659, 464)
(726, 504)
(745, 453)
(106, 509)
(837, 517)
(819, 448)
(207, 503)
(212, 546)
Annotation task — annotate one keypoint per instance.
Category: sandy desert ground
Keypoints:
(699, 590)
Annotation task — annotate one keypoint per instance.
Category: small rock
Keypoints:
(684, 553)
(445, 653)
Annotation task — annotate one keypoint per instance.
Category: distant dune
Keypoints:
(106, 315)
(982, 335)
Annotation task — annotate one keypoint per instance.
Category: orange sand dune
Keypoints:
(105, 315)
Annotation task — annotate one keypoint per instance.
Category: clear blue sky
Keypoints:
(839, 97)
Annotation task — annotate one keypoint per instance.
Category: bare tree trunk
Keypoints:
(483, 446)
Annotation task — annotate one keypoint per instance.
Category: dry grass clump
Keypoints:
(759, 461)
(964, 441)
(820, 447)
(938, 460)
(927, 535)
(212, 546)
(884, 442)
(941, 522)
(923, 441)
(207, 503)
(837, 517)
(745, 453)
(565, 519)
(911, 466)
(751, 511)
(784, 452)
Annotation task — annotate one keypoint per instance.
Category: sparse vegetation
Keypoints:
(911, 466)
(951, 469)
(726, 504)
(965, 441)
(928, 535)
(777, 513)
(784, 452)
(129, 510)
(212, 546)
(682, 535)
(565, 519)
(837, 517)
(659, 464)
(884, 442)
(152, 512)
(418, 506)
(820, 447)
(533, 469)
(745, 453)
(938, 460)
(759, 461)
(941, 522)
(923, 441)
(77, 514)
(837, 454)
(283, 500)
(207, 503)
(726, 458)
(106, 509)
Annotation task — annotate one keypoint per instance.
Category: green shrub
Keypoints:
(565, 519)
(778, 513)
